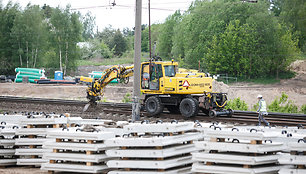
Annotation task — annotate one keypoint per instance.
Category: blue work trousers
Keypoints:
(261, 118)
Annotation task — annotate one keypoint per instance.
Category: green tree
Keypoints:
(165, 40)
(30, 36)
(89, 24)
(107, 36)
(7, 17)
(294, 13)
(66, 30)
(236, 44)
(119, 44)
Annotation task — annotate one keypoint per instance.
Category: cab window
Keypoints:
(170, 70)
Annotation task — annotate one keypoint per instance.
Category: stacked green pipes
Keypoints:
(98, 74)
(31, 73)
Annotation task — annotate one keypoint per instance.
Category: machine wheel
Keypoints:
(230, 112)
(212, 113)
(173, 109)
(189, 107)
(153, 106)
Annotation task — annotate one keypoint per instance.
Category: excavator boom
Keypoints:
(95, 90)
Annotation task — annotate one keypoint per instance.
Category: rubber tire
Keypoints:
(173, 109)
(212, 114)
(231, 112)
(153, 106)
(189, 107)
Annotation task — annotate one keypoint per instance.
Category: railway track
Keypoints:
(122, 111)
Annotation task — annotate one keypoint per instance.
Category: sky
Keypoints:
(119, 16)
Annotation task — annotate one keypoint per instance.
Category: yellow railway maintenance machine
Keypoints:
(162, 87)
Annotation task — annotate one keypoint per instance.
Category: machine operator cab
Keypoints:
(154, 75)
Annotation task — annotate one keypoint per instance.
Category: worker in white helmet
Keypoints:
(262, 110)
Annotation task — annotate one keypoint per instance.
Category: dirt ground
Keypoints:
(295, 88)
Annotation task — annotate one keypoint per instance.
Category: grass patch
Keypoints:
(125, 59)
(264, 80)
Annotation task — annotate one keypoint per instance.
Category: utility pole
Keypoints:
(137, 54)
(149, 9)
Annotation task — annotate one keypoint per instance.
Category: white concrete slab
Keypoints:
(76, 157)
(33, 131)
(152, 153)
(81, 121)
(291, 171)
(31, 161)
(239, 147)
(7, 142)
(153, 141)
(78, 168)
(11, 118)
(240, 135)
(8, 162)
(184, 170)
(7, 152)
(292, 159)
(43, 121)
(33, 151)
(164, 127)
(75, 146)
(30, 141)
(150, 164)
(229, 158)
(294, 146)
(201, 168)
(78, 135)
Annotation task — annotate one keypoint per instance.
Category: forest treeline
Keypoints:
(243, 39)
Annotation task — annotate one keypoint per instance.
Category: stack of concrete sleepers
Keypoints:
(99, 124)
(74, 150)
(7, 144)
(153, 148)
(237, 151)
(296, 158)
(32, 135)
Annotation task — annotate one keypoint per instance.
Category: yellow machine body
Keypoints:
(164, 87)
(165, 80)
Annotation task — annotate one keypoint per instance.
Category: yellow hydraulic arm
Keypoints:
(116, 72)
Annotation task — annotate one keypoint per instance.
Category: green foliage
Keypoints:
(89, 23)
(282, 105)
(95, 48)
(145, 47)
(114, 39)
(118, 43)
(293, 13)
(237, 104)
(112, 61)
(165, 43)
(28, 35)
(241, 39)
(303, 109)
(127, 98)
(103, 100)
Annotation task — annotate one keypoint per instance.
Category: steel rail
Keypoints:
(248, 117)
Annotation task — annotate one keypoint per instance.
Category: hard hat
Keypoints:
(259, 96)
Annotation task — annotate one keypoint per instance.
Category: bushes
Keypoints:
(279, 104)
(127, 98)
(237, 104)
(282, 105)
(303, 109)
